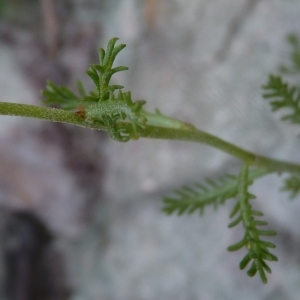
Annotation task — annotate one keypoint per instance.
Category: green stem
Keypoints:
(186, 133)
(44, 113)
(200, 136)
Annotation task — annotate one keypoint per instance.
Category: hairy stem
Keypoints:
(186, 133)
(44, 113)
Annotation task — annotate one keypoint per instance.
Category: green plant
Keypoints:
(111, 109)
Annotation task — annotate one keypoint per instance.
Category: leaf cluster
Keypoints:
(196, 198)
(102, 106)
(118, 108)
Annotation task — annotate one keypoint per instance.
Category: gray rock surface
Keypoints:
(200, 61)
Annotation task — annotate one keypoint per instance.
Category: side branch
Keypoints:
(196, 135)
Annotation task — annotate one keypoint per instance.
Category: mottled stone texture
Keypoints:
(201, 61)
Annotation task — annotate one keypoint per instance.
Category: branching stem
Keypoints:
(170, 130)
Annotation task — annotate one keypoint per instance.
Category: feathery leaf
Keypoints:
(257, 249)
(294, 56)
(292, 185)
(101, 73)
(196, 198)
(61, 96)
(283, 96)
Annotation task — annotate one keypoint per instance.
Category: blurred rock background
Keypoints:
(200, 61)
